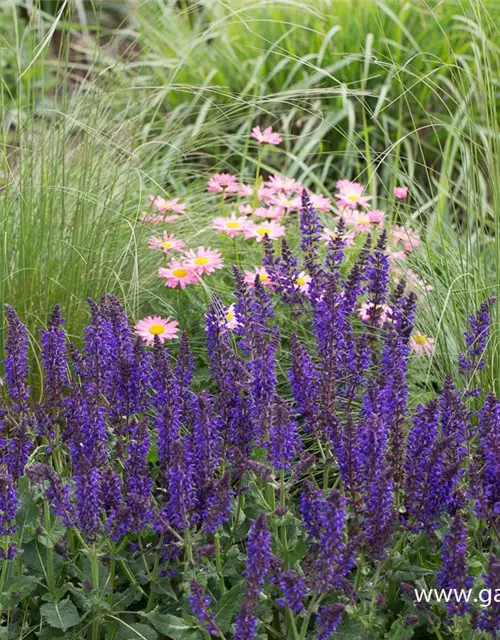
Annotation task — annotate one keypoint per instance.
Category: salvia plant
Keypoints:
(303, 493)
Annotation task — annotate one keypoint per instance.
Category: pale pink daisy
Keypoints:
(329, 234)
(268, 136)
(408, 238)
(278, 183)
(245, 190)
(270, 229)
(350, 194)
(165, 206)
(230, 226)
(166, 243)
(384, 312)
(178, 273)
(422, 345)
(229, 321)
(320, 202)
(164, 328)
(376, 216)
(263, 277)
(265, 194)
(395, 255)
(223, 183)
(158, 218)
(273, 213)
(413, 280)
(287, 202)
(204, 261)
(359, 220)
(245, 209)
(401, 192)
(303, 282)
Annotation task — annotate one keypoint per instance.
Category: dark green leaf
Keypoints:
(137, 631)
(60, 615)
(172, 626)
(227, 607)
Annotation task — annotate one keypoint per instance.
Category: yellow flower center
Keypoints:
(363, 221)
(229, 316)
(156, 329)
(233, 225)
(301, 281)
(420, 339)
(352, 198)
(263, 277)
(262, 231)
(201, 261)
(179, 272)
(167, 244)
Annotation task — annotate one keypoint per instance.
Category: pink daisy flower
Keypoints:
(223, 183)
(320, 202)
(166, 243)
(421, 345)
(359, 220)
(265, 194)
(329, 234)
(245, 209)
(245, 190)
(268, 136)
(376, 216)
(158, 218)
(273, 213)
(178, 273)
(263, 277)
(165, 206)
(270, 229)
(413, 280)
(278, 183)
(203, 261)
(230, 226)
(367, 308)
(287, 202)
(401, 192)
(408, 238)
(230, 322)
(164, 328)
(303, 282)
(394, 255)
(350, 194)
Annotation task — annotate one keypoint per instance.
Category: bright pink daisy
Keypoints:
(350, 194)
(268, 136)
(263, 277)
(421, 345)
(164, 328)
(178, 273)
(401, 192)
(270, 229)
(230, 226)
(165, 206)
(223, 183)
(166, 243)
(265, 194)
(204, 261)
(278, 183)
(376, 216)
